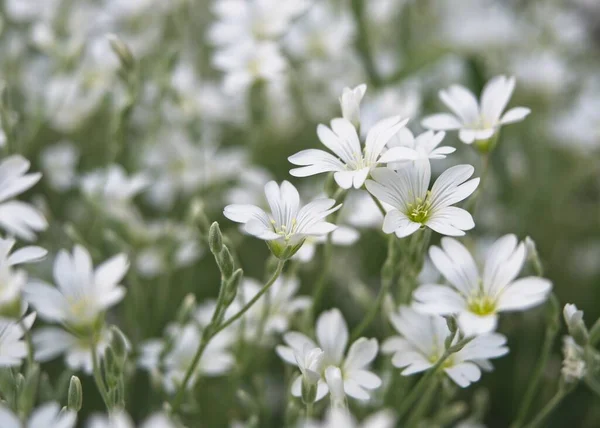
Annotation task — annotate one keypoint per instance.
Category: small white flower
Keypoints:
(288, 224)
(353, 164)
(13, 348)
(477, 121)
(120, 419)
(248, 62)
(58, 162)
(112, 190)
(422, 344)
(349, 373)
(309, 362)
(415, 206)
(16, 217)
(573, 366)
(478, 298)
(216, 359)
(337, 418)
(350, 103)
(12, 281)
(50, 342)
(83, 293)
(47, 415)
(424, 146)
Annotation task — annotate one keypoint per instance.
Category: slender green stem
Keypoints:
(424, 402)
(386, 282)
(98, 376)
(207, 336)
(27, 336)
(534, 383)
(548, 408)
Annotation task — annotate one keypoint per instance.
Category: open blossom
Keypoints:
(476, 297)
(415, 206)
(120, 419)
(422, 344)
(288, 223)
(47, 415)
(16, 217)
(13, 348)
(477, 121)
(424, 146)
(83, 293)
(348, 372)
(353, 163)
(337, 418)
(13, 280)
(248, 62)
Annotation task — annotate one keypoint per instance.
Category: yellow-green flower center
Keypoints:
(420, 210)
(284, 230)
(482, 305)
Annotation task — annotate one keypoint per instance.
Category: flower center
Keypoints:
(420, 210)
(285, 231)
(482, 305)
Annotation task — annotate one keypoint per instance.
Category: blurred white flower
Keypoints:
(216, 360)
(13, 281)
(13, 347)
(83, 293)
(424, 146)
(47, 415)
(350, 103)
(422, 344)
(120, 419)
(403, 100)
(51, 342)
(414, 206)
(477, 121)
(112, 191)
(555, 78)
(288, 224)
(478, 298)
(348, 371)
(249, 62)
(342, 236)
(16, 217)
(336, 418)
(58, 163)
(351, 164)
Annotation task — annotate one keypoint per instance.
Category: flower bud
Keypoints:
(226, 262)
(215, 238)
(575, 325)
(186, 309)
(122, 51)
(231, 287)
(119, 345)
(75, 396)
(350, 103)
(196, 215)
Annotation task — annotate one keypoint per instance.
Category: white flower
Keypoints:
(13, 348)
(45, 416)
(215, 361)
(50, 342)
(58, 162)
(120, 419)
(477, 121)
(353, 164)
(350, 103)
(477, 298)
(12, 281)
(424, 146)
(415, 206)
(573, 366)
(337, 418)
(288, 224)
(18, 218)
(83, 293)
(309, 362)
(112, 190)
(350, 372)
(422, 344)
(248, 62)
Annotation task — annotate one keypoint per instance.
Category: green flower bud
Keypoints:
(226, 262)
(186, 309)
(231, 287)
(75, 396)
(119, 345)
(196, 215)
(122, 51)
(215, 238)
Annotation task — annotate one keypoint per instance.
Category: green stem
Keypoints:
(386, 282)
(532, 388)
(207, 336)
(548, 408)
(309, 410)
(98, 376)
(425, 402)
